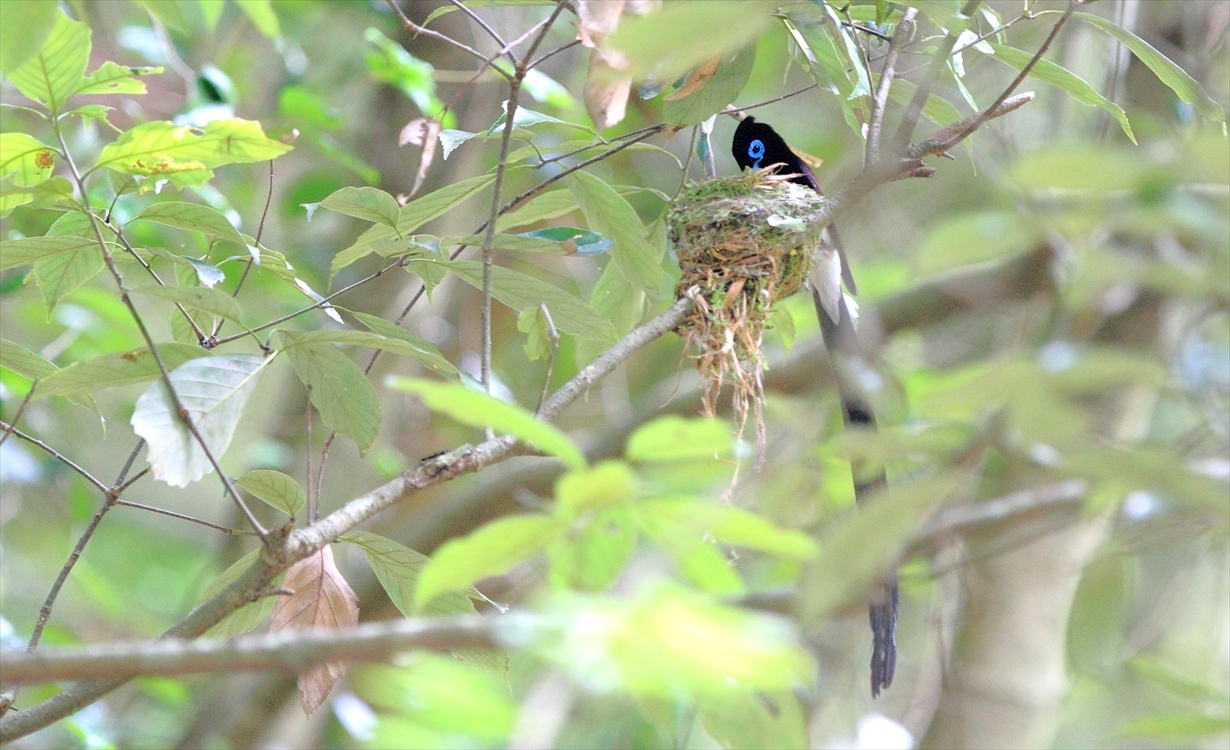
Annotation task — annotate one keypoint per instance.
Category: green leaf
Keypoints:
(593, 558)
(24, 362)
(338, 389)
(680, 36)
(208, 300)
(15, 253)
(420, 349)
(276, 489)
(113, 370)
(707, 91)
(973, 238)
(735, 526)
(367, 203)
(397, 567)
(491, 550)
(676, 438)
(1178, 728)
(610, 214)
(411, 216)
(112, 78)
(608, 484)
(857, 549)
(212, 11)
(1072, 84)
(193, 217)
(696, 559)
(55, 72)
(59, 276)
(937, 109)
(24, 27)
(533, 323)
(186, 155)
(214, 391)
(249, 615)
(547, 205)
(519, 291)
(618, 301)
(260, 12)
(1183, 85)
(748, 720)
(482, 410)
(27, 157)
(825, 61)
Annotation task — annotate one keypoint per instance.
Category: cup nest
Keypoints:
(742, 242)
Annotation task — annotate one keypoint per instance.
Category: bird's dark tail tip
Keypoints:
(883, 615)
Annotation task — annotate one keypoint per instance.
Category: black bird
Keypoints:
(758, 146)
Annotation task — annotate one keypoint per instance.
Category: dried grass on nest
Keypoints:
(739, 240)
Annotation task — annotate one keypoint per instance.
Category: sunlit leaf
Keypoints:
(24, 27)
(112, 78)
(55, 72)
(481, 410)
(673, 438)
(185, 154)
(30, 160)
(491, 550)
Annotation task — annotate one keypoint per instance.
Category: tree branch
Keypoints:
(283, 547)
(290, 650)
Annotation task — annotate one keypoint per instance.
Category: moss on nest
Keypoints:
(741, 241)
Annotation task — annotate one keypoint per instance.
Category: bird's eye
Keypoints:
(755, 149)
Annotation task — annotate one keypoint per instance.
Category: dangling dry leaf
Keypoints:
(599, 19)
(321, 599)
(423, 132)
(606, 92)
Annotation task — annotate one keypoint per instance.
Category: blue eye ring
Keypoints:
(755, 150)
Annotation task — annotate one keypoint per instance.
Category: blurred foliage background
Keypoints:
(1105, 359)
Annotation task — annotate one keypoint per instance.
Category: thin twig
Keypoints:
(132, 456)
(260, 230)
(867, 30)
(913, 111)
(878, 103)
(405, 21)
(322, 302)
(986, 113)
(485, 27)
(1027, 15)
(8, 428)
(552, 53)
(546, 380)
(182, 517)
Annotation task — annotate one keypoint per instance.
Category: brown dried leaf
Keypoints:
(606, 92)
(599, 19)
(321, 599)
(423, 132)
